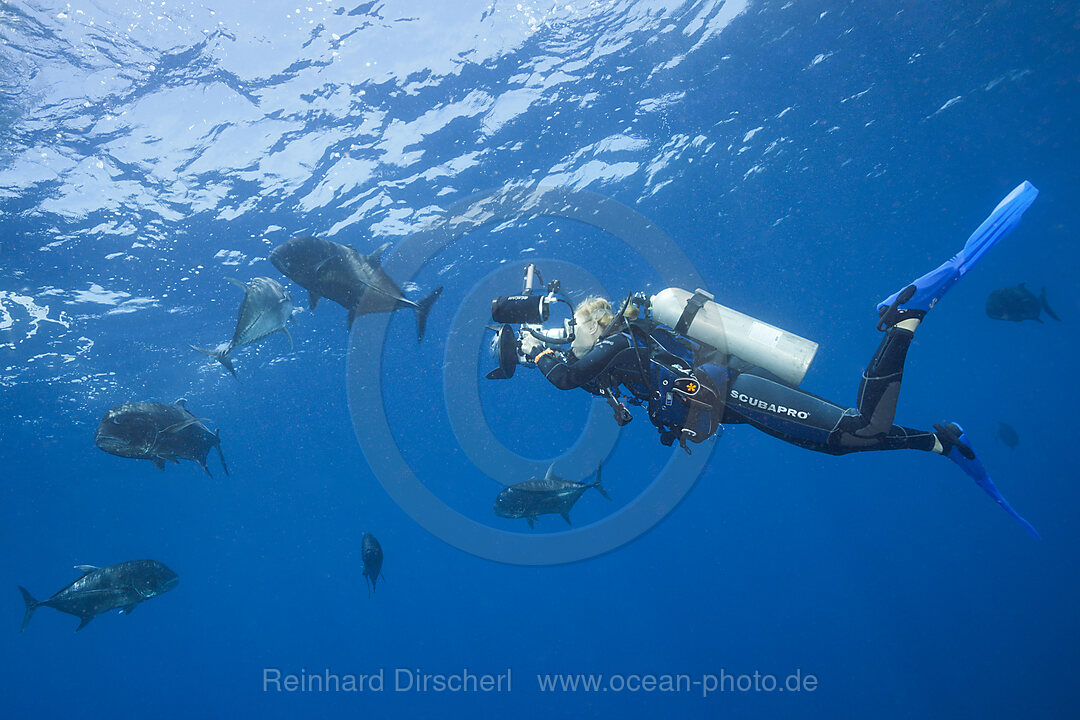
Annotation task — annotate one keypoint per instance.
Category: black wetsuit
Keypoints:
(795, 416)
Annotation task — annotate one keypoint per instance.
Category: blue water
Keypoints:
(809, 159)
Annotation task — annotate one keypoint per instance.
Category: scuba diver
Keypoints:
(696, 365)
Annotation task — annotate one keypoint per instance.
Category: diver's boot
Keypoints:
(955, 446)
(916, 298)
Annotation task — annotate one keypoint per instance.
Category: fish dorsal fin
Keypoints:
(182, 403)
(237, 283)
(177, 427)
(376, 257)
(550, 472)
(84, 569)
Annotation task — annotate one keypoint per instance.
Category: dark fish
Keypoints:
(99, 590)
(371, 553)
(1018, 304)
(265, 309)
(1008, 435)
(355, 281)
(552, 495)
(157, 432)
(504, 349)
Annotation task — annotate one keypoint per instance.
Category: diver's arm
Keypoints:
(565, 376)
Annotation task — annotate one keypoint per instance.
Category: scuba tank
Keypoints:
(697, 316)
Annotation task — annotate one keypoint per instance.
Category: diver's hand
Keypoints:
(530, 346)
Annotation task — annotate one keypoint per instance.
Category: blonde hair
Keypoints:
(594, 310)
(598, 309)
(593, 315)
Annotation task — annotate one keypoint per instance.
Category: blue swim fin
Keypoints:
(916, 298)
(955, 442)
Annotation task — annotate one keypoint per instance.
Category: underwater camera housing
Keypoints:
(529, 310)
(528, 307)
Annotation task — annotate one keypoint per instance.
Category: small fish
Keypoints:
(1018, 304)
(265, 309)
(355, 281)
(552, 495)
(371, 553)
(1008, 435)
(99, 590)
(157, 432)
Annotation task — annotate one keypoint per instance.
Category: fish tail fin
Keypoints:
(422, 309)
(1046, 305)
(31, 606)
(221, 354)
(596, 484)
(217, 434)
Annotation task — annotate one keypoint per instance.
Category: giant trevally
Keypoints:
(355, 281)
(99, 590)
(1008, 435)
(265, 309)
(551, 495)
(1018, 304)
(371, 554)
(157, 432)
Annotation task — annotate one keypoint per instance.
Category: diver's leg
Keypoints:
(898, 437)
(806, 420)
(880, 386)
(819, 425)
(792, 415)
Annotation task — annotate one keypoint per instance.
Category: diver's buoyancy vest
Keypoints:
(683, 404)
